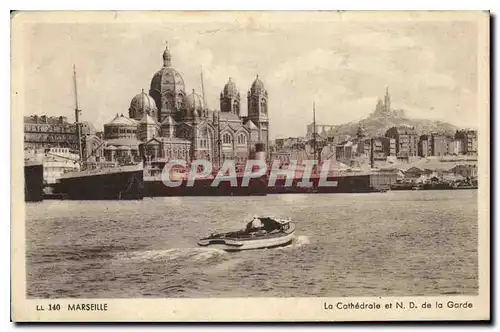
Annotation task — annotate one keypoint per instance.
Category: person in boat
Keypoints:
(266, 224)
(254, 225)
(271, 225)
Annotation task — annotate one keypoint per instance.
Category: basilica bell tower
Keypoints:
(257, 102)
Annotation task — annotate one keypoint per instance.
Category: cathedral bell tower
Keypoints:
(258, 110)
(230, 99)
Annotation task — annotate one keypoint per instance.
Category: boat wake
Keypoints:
(194, 255)
(298, 241)
(184, 254)
(301, 240)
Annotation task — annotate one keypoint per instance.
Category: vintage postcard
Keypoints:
(250, 166)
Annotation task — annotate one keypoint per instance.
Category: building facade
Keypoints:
(42, 132)
(439, 145)
(424, 146)
(455, 147)
(320, 129)
(406, 141)
(469, 141)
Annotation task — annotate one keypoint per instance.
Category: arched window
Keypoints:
(236, 107)
(242, 139)
(226, 139)
(263, 108)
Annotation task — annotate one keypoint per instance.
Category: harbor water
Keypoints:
(378, 244)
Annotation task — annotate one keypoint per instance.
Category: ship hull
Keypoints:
(260, 187)
(33, 183)
(203, 187)
(125, 185)
(338, 185)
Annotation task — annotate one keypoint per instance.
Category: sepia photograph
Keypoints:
(336, 162)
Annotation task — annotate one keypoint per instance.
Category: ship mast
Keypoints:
(314, 132)
(203, 89)
(372, 157)
(77, 116)
(219, 142)
(219, 149)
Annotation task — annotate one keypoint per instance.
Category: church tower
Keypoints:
(387, 101)
(258, 110)
(148, 128)
(230, 99)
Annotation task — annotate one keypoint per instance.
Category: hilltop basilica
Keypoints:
(170, 122)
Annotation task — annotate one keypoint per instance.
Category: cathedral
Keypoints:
(170, 122)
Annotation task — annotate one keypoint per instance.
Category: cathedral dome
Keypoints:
(257, 85)
(194, 102)
(167, 85)
(167, 79)
(142, 104)
(230, 89)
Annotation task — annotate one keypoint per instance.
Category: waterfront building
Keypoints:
(406, 141)
(93, 149)
(383, 147)
(323, 129)
(295, 148)
(469, 141)
(425, 145)
(439, 145)
(284, 157)
(364, 147)
(388, 146)
(467, 171)
(53, 142)
(455, 147)
(169, 122)
(415, 173)
(42, 132)
(279, 143)
(121, 137)
(346, 151)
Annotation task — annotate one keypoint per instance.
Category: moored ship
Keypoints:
(110, 183)
(331, 183)
(154, 185)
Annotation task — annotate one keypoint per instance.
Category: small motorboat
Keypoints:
(273, 232)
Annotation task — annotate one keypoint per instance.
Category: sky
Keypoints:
(343, 63)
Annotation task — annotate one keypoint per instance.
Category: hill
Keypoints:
(377, 123)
